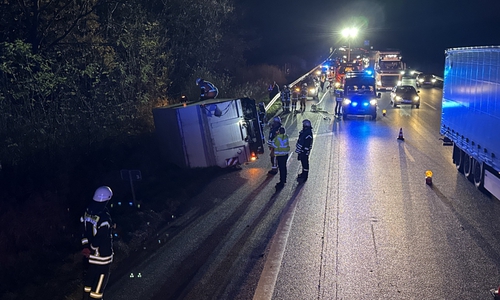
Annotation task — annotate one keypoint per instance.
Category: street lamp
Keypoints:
(349, 33)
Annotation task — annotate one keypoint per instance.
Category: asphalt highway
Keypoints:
(364, 226)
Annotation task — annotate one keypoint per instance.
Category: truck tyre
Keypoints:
(467, 165)
(478, 171)
(417, 106)
(458, 158)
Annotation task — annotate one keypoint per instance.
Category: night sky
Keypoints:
(421, 29)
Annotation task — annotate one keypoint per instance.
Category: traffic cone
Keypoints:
(400, 137)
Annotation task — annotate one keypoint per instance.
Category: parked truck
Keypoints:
(214, 132)
(389, 68)
(470, 119)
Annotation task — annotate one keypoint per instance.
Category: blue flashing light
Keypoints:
(130, 203)
(369, 72)
(365, 103)
(119, 203)
(354, 104)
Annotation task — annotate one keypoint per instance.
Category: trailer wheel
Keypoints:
(478, 174)
(458, 158)
(467, 165)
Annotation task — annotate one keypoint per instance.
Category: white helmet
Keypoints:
(103, 194)
(306, 123)
(285, 86)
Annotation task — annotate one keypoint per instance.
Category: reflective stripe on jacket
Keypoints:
(281, 145)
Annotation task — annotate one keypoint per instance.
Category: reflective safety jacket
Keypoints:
(281, 145)
(97, 236)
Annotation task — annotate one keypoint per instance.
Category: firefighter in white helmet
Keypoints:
(97, 242)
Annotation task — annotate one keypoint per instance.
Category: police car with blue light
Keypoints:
(359, 96)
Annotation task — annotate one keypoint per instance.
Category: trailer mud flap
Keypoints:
(492, 183)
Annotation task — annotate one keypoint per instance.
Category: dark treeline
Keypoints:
(78, 81)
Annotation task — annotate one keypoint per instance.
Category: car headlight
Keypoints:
(400, 82)
(346, 101)
(337, 84)
(399, 98)
(433, 80)
(416, 98)
(420, 80)
(312, 90)
(373, 102)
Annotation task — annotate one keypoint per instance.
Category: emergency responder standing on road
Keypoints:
(262, 116)
(295, 98)
(303, 97)
(97, 242)
(285, 98)
(339, 95)
(304, 145)
(281, 147)
(273, 131)
(208, 89)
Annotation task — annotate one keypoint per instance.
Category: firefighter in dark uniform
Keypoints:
(208, 89)
(285, 98)
(281, 147)
(97, 242)
(273, 131)
(304, 145)
(262, 115)
(303, 97)
(295, 98)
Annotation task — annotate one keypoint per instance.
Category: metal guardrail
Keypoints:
(275, 98)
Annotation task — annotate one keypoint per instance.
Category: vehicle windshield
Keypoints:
(344, 70)
(359, 89)
(405, 89)
(390, 65)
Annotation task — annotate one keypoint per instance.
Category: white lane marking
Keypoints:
(430, 106)
(267, 281)
(407, 152)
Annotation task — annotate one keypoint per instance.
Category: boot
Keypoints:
(303, 176)
(273, 171)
